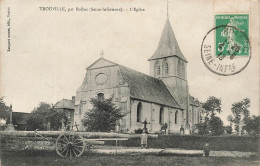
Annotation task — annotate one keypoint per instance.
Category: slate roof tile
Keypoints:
(168, 45)
(64, 104)
(193, 101)
(147, 88)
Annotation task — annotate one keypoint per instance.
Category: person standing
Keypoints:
(144, 138)
(182, 130)
(162, 130)
(165, 128)
(206, 149)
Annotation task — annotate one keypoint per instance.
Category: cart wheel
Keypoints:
(70, 145)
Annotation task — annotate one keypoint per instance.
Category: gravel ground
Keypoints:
(123, 150)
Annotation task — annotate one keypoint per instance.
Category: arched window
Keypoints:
(161, 116)
(157, 68)
(183, 69)
(179, 68)
(176, 117)
(139, 112)
(166, 68)
(100, 96)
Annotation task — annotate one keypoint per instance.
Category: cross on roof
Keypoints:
(102, 53)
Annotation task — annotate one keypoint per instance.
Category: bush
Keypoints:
(217, 143)
(139, 131)
(216, 126)
(253, 125)
(104, 115)
(44, 114)
(202, 128)
(228, 129)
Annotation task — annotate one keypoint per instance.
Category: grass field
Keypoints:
(45, 158)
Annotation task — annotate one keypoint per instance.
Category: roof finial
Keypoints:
(167, 9)
(102, 54)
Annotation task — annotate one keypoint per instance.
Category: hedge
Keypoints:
(217, 143)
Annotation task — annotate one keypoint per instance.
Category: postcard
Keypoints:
(166, 68)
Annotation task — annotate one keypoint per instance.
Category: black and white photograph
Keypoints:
(129, 82)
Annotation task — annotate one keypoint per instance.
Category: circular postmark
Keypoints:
(225, 50)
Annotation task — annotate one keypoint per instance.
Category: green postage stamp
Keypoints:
(232, 39)
(225, 49)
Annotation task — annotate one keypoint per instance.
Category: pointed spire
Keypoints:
(168, 45)
(167, 10)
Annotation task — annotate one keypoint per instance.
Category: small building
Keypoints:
(66, 106)
(20, 120)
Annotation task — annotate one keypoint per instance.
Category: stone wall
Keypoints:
(151, 112)
(110, 84)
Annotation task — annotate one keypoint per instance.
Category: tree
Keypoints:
(202, 128)
(212, 106)
(213, 126)
(44, 114)
(230, 119)
(103, 116)
(252, 125)
(38, 118)
(228, 129)
(4, 109)
(211, 123)
(240, 112)
(55, 117)
(216, 126)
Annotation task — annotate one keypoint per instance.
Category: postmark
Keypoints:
(225, 49)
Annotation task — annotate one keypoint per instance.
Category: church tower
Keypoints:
(169, 65)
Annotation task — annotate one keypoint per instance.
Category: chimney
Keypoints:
(73, 99)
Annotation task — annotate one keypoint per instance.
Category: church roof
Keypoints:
(147, 88)
(64, 104)
(193, 101)
(168, 45)
(101, 62)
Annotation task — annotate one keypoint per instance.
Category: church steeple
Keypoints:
(167, 9)
(169, 65)
(168, 45)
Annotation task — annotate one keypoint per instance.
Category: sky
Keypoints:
(50, 50)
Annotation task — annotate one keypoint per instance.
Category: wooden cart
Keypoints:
(71, 144)
(68, 143)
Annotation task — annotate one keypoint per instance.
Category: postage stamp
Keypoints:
(233, 40)
(225, 49)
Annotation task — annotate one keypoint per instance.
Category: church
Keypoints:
(160, 97)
